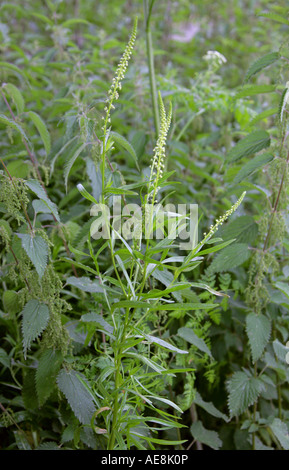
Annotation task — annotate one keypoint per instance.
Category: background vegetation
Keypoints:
(115, 345)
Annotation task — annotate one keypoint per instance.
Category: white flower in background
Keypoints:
(215, 58)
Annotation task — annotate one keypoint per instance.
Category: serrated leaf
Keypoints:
(252, 165)
(42, 129)
(244, 391)
(35, 317)
(16, 96)
(124, 143)
(76, 394)
(14, 125)
(258, 328)
(261, 63)
(37, 189)
(209, 438)
(280, 431)
(275, 17)
(283, 102)
(243, 229)
(230, 258)
(249, 145)
(48, 367)
(262, 115)
(36, 249)
(190, 336)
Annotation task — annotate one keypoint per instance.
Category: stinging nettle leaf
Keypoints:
(35, 317)
(37, 189)
(261, 63)
(252, 165)
(37, 250)
(258, 328)
(42, 129)
(16, 96)
(230, 258)
(124, 143)
(209, 438)
(244, 391)
(280, 430)
(48, 367)
(77, 395)
(249, 145)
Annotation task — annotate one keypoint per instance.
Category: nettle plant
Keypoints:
(257, 394)
(99, 330)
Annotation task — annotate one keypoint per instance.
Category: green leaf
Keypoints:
(261, 63)
(162, 343)
(209, 407)
(275, 17)
(283, 287)
(48, 367)
(18, 168)
(16, 96)
(96, 318)
(244, 391)
(37, 189)
(71, 160)
(258, 328)
(122, 142)
(280, 350)
(209, 438)
(190, 336)
(252, 90)
(249, 145)
(252, 165)
(85, 284)
(230, 258)
(77, 394)
(35, 316)
(242, 229)
(42, 129)
(11, 301)
(171, 306)
(280, 431)
(37, 250)
(262, 115)
(14, 125)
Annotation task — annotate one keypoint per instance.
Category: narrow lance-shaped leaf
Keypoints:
(42, 129)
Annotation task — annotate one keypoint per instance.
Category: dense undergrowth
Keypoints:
(118, 343)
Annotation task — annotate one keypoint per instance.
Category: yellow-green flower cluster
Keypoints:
(158, 160)
(223, 218)
(119, 76)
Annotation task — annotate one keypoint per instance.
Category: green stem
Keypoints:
(150, 57)
(118, 380)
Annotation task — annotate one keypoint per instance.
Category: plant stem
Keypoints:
(150, 57)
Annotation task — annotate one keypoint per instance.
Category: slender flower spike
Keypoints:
(223, 218)
(119, 76)
(158, 160)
